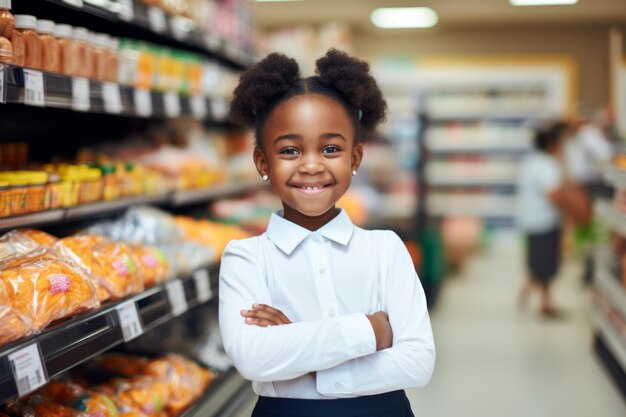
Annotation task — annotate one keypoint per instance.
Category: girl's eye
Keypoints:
(289, 151)
(330, 149)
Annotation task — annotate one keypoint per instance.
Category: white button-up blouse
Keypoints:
(325, 282)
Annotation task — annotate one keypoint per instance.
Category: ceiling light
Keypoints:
(542, 2)
(404, 17)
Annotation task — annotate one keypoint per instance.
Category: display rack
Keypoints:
(173, 30)
(609, 306)
(107, 208)
(71, 342)
(60, 91)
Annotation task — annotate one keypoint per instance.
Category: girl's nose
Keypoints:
(311, 165)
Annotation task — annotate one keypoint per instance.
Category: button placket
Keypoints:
(323, 278)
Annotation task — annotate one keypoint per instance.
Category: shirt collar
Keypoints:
(287, 235)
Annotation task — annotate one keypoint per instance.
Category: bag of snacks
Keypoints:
(60, 391)
(112, 265)
(121, 364)
(145, 394)
(154, 265)
(12, 326)
(41, 238)
(42, 288)
(42, 407)
(96, 404)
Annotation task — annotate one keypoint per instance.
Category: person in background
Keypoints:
(539, 212)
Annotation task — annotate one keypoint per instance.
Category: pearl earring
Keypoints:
(353, 173)
(265, 177)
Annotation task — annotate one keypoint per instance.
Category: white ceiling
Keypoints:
(452, 13)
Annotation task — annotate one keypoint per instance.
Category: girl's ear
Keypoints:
(260, 161)
(357, 156)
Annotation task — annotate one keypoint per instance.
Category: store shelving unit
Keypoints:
(609, 307)
(108, 208)
(26, 95)
(71, 342)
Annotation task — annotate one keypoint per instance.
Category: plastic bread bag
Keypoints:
(141, 225)
(142, 393)
(42, 407)
(154, 265)
(111, 265)
(185, 380)
(210, 234)
(186, 257)
(122, 364)
(12, 326)
(42, 288)
(41, 238)
(13, 244)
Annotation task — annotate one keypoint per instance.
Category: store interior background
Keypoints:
(464, 97)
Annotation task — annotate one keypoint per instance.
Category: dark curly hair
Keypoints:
(277, 78)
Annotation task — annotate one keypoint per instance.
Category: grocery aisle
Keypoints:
(495, 358)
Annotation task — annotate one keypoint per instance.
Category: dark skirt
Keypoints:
(544, 255)
(391, 404)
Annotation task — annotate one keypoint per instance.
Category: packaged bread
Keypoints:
(12, 326)
(96, 404)
(42, 407)
(123, 365)
(61, 391)
(142, 393)
(41, 238)
(153, 264)
(112, 265)
(14, 244)
(43, 289)
(185, 380)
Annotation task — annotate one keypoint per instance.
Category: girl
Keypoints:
(325, 318)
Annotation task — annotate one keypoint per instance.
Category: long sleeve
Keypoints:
(410, 361)
(278, 353)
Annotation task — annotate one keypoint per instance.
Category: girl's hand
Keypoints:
(263, 315)
(382, 330)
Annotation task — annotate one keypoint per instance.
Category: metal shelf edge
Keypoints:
(615, 342)
(609, 286)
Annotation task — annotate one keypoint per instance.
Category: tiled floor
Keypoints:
(495, 358)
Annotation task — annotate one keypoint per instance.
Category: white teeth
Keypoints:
(311, 188)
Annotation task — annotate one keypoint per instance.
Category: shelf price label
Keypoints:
(158, 22)
(2, 99)
(143, 102)
(80, 94)
(28, 369)
(176, 295)
(112, 98)
(171, 101)
(203, 285)
(126, 10)
(198, 106)
(34, 94)
(129, 320)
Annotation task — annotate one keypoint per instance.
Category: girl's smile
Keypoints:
(309, 154)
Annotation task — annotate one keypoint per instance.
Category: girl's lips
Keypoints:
(311, 190)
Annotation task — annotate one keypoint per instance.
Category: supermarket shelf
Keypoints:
(611, 216)
(468, 148)
(73, 341)
(62, 92)
(460, 182)
(175, 199)
(223, 398)
(178, 31)
(492, 114)
(610, 287)
(609, 334)
(220, 191)
(615, 176)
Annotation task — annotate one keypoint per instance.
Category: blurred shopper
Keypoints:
(544, 198)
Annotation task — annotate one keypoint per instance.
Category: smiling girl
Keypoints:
(326, 319)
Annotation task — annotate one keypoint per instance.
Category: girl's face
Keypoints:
(309, 155)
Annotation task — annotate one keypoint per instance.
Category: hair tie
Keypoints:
(360, 114)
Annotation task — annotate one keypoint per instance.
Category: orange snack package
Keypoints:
(141, 393)
(12, 327)
(112, 265)
(96, 404)
(186, 381)
(125, 365)
(43, 289)
(42, 407)
(154, 265)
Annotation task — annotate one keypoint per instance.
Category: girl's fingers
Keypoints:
(273, 311)
(259, 322)
(262, 315)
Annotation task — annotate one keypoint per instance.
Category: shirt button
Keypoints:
(337, 385)
(331, 312)
(322, 270)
